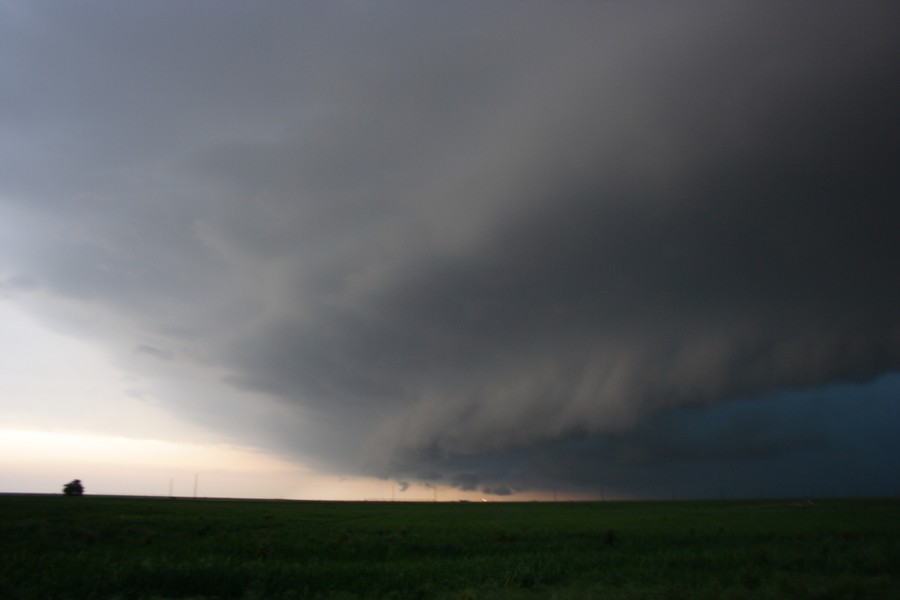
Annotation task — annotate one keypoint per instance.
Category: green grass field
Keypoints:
(99, 547)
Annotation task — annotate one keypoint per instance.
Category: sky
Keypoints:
(450, 250)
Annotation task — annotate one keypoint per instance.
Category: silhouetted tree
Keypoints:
(73, 488)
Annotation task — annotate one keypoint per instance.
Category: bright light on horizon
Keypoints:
(42, 461)
(105, 436)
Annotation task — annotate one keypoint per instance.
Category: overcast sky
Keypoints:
(631, 248)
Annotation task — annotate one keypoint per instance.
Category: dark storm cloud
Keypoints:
(815, 442)
(452, 235)
(465, 481)
(838, 440)
(497, 490)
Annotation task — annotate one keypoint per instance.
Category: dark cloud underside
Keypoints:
(451, 235)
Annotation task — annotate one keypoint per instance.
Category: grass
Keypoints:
(102, 547)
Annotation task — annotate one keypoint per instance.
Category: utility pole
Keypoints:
(196, 477)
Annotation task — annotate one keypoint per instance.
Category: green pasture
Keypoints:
(56, 547)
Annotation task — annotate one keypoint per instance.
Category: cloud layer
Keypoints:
(442, 237)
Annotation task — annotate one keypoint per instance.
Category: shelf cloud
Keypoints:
(487, 246)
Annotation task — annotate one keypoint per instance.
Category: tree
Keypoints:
(73, 488)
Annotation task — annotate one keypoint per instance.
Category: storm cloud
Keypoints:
(485, 246)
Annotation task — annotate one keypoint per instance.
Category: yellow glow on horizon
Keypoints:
(41, 462)
(35, 461)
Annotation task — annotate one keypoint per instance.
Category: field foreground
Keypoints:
(101, 547)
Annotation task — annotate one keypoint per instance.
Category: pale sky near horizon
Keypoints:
(39, 454)
(508, 250)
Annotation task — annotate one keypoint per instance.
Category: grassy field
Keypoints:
(99, 547)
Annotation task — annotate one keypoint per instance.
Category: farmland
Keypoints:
(144, 548)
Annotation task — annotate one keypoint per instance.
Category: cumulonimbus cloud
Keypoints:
(487, 234)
